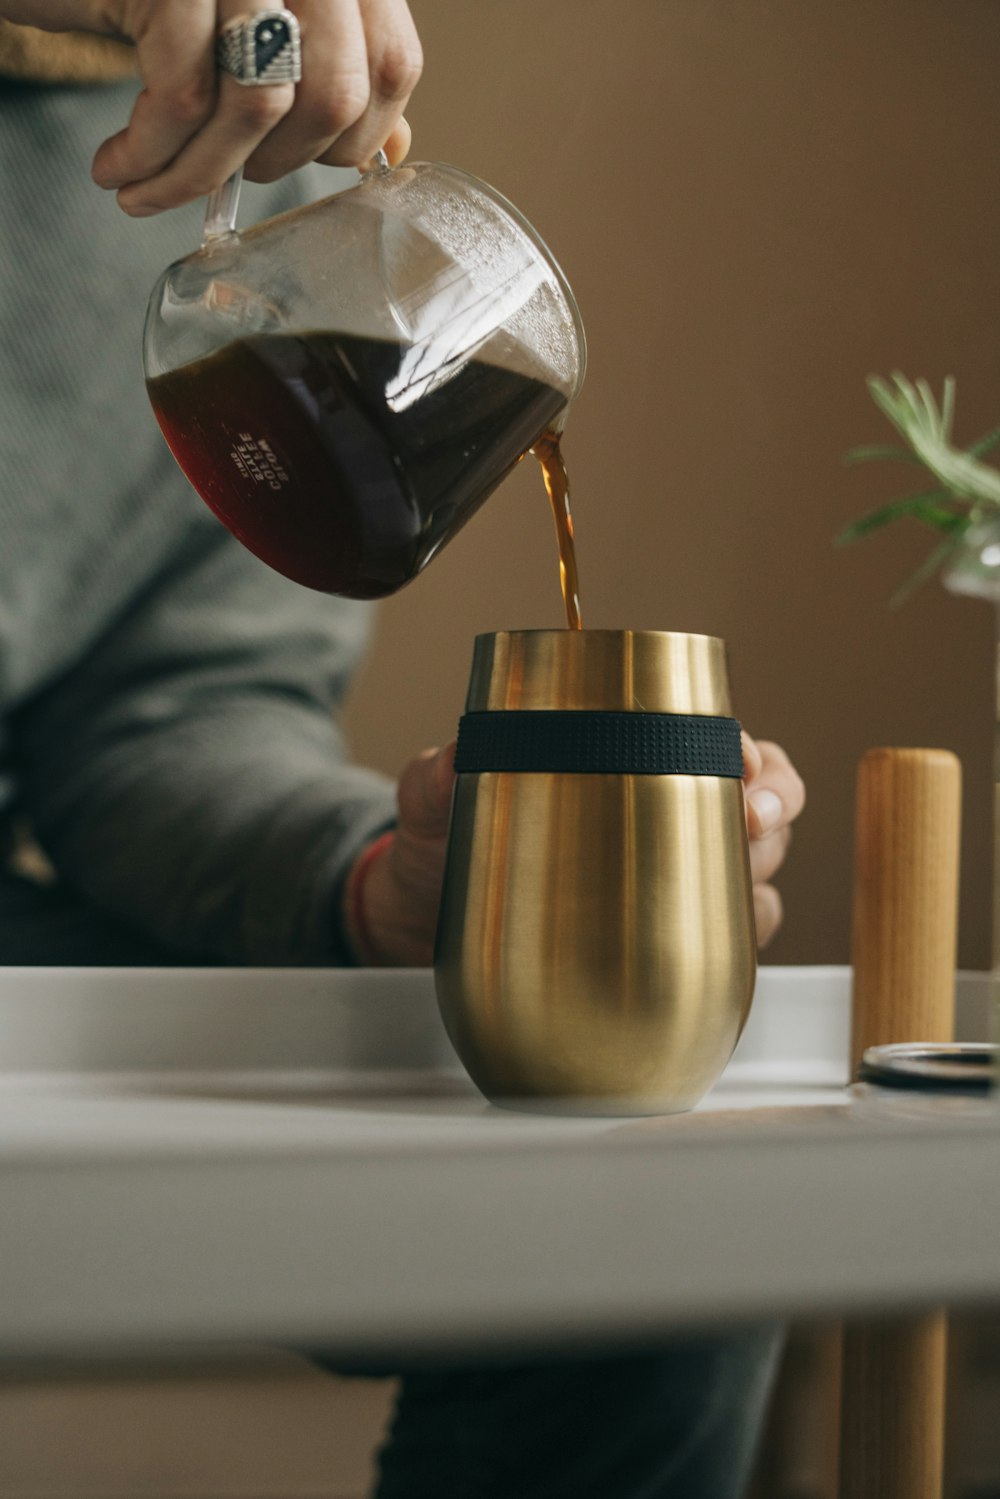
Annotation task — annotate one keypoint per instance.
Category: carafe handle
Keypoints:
(220, 214)
(223, 204)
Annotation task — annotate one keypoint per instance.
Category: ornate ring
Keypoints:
(262, 48)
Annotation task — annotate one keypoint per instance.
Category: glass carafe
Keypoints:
(345, 385)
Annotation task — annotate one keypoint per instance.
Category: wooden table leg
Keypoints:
(904, 935)
(893, 1409)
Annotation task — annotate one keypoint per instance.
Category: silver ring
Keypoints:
(262, 48)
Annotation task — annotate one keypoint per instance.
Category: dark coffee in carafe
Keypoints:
(336, 459)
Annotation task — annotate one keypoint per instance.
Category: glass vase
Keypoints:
(974, 571)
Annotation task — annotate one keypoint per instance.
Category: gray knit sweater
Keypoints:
(166, 701)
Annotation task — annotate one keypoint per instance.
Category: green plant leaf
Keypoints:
(925, 507)
(875, 451)
(944, 520)
(926, 570)
(986, 444)
(948, 408)
(966, 492)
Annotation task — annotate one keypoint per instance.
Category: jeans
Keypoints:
(680, 1422)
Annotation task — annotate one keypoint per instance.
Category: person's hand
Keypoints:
(193, 126)
(774, 796)
(400, 888)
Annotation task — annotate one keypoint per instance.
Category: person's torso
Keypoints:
(92, 505)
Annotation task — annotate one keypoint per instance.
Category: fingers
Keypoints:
(752, 758)
(775, 794)
(767, 912)
(395, 64)
(243, 117)
(175, 53)
(191, 128)
(403, 890)
(361, 60)
(396, 146)
(331, 96)
(768, 854)
(424, 794)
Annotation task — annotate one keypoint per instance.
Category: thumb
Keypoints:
(396, 146)
(424, 793)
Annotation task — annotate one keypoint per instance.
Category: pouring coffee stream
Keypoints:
(345, 385)
(548, 451)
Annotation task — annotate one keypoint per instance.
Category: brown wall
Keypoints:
(757, 203)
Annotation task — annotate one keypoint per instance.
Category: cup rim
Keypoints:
(651, 671)
(561, 630)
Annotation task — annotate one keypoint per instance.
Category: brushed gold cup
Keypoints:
(595, 948)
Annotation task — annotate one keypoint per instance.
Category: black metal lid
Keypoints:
(947, 1067)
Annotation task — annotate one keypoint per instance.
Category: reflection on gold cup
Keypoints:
(596, 948)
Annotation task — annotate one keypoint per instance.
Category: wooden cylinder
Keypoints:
(893, 1409)
(906, 844)
(903, 948)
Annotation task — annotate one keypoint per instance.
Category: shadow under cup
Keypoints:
(596, 949)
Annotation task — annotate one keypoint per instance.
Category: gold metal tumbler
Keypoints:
(595, 948)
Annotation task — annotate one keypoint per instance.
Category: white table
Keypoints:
(295, 1156)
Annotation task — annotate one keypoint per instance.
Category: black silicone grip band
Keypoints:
(594, 743)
